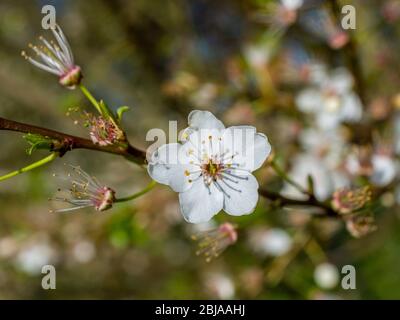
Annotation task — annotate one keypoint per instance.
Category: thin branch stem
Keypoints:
(32, 166)
(90, 97)
(310, 202)
(100, 106)
(150, 186)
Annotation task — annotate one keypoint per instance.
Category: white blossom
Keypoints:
(326, 275)
(330, 98)
(273, 242)
(33, 258)
(326, 181)
(292, 4)
(380, 168)
(211, 167)
(328, 145)
(220, 286)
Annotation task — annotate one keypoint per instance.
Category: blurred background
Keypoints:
(244, 60)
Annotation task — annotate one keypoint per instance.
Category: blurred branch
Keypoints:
(310, 202)
(351, 52)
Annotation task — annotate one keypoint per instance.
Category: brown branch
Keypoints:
(68, 142)
(310, 202)
(351, 52)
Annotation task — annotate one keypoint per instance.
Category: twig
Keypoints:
(310, 202)
(68, 142)
(351, 52)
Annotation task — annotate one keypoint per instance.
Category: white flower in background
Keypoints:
(211, 168)
(381, 168)
(220, 286)
(326, 276)
(384, 169)
(328, 145)
(273, 242)
(330, 98)
(33, 258)
(292, 4)
(258, 55)
(326, 181)
(57, 59)
(84, 251)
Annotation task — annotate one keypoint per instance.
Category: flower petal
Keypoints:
(340, 80)
(198, 119)
(200, 204)
(384, 170)
(351, 110)
(292, 4)
(240, 198)
(328, 120)
(305, 165)
(170, 166)
(248, 148)
(309, 100)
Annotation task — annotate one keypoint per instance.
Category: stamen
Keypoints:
(229, 186)
(226, 172)
(221, 189)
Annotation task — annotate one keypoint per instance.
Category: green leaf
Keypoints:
(37, 141)
(121, 111)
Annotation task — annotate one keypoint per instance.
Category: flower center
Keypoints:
(332, 100)
(212, 168)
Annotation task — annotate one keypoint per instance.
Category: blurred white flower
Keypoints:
(326, 276)
(204, 95)
(211, 168)
(328, 145)
(33, 258)
(326, 181)
(292, 4)
(258, 55)
(384, 169)
(330, 98)
(272, 242)
(84, 251)
(381, 168)
(220, 286)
